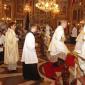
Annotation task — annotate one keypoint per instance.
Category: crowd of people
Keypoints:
(52, 46)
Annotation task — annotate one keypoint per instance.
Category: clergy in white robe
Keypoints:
(29, 57)
(11, 53)
(57, 44)
(80, 49)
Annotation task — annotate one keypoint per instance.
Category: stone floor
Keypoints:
(16, 78)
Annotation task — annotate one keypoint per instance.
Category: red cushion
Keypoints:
(50, 70)
(70, 60)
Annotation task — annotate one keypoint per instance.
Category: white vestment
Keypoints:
(80, 49)
(57, 43)
(29, 55)
(79, 42)
(11, 55)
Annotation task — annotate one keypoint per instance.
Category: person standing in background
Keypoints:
(11, 53)
(74, 34)
(29, 56)
(47, 36)
(2, 37)
(41, 42)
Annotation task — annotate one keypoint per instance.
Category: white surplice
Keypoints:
(29, 55)
(80, 49)
(57, 43)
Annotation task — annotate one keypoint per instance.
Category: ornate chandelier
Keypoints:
(48, 5)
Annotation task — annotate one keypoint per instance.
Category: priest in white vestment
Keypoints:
(80, 49)
(57, 44)
(11, 53)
